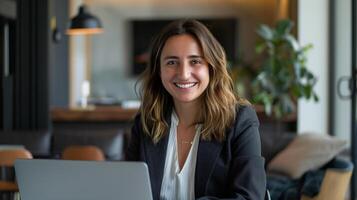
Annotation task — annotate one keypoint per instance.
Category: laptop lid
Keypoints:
(41, 179)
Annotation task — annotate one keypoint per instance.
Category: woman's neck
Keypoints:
(187, 113)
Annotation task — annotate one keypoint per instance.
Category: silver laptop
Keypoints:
(41, 179)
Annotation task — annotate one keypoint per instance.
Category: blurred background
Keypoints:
(60, 88)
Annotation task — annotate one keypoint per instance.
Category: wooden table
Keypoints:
(93, 114)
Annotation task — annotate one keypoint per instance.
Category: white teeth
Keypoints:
(188, 85)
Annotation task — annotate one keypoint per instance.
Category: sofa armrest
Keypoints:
(335, 182)
(339, 164)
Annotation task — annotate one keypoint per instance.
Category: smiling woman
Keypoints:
(198, 138)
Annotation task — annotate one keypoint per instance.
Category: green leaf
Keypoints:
(284, 26)
(292, 42)
(295, 91)
(306, 48)
(267, 109)
(297, 67)
(260, 47)
(265, 32)
(287, 104)
(264, 98)
(316, 98)
(307, 91)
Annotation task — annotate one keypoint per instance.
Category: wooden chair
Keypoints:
(7, 161)
(83, 153)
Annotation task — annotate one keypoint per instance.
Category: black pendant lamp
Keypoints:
(84, 23)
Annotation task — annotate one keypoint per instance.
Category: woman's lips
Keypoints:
(185, 85)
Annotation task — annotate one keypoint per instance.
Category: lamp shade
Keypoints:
(84, 23)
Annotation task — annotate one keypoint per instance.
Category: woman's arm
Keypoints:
(247, 179)
(247, 165)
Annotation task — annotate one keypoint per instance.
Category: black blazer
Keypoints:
(232, 169)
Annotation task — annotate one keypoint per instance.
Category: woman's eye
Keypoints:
(195, 62)
(171, 62)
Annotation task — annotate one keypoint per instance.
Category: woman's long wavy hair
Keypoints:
(219, 101)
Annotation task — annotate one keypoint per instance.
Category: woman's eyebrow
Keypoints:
(195, 56)
(176, 57)
(170, 57)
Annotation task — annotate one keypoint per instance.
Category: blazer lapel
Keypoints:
(156, 156)
(207, 153)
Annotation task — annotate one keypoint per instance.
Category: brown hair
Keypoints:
(218, 108)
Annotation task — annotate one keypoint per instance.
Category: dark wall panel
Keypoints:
(7, 61)
(31, 102)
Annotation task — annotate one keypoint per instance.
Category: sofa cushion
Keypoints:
(306, 152)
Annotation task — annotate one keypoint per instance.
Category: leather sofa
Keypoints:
(47, 144)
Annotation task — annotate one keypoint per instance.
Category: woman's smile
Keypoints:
(185, 85)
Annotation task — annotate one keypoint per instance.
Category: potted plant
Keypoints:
(282, 78)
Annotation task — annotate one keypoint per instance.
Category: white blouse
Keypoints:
(178, 184)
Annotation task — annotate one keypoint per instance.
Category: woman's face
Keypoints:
(183, 70)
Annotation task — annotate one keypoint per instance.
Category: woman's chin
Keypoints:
(185, 100)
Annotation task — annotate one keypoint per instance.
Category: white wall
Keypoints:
(342, 108)
(110, 57)
(78, 58)
(313, 28)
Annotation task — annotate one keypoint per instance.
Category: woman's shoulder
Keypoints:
(245, 116)
(245, 111)
(246, 124)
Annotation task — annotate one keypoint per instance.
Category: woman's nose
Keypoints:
(184, 70)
